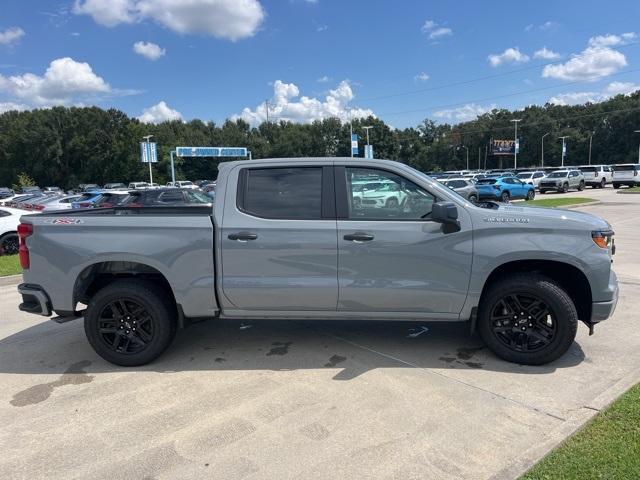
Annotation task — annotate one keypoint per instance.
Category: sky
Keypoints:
(301, 60)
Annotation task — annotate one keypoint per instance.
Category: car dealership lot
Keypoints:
(308, 399)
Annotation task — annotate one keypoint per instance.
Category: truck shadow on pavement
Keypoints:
(348, 348)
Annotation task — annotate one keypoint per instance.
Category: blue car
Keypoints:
(504, 189)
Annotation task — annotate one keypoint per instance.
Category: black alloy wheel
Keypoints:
(9, 244)
(523, 323)
(125, 326)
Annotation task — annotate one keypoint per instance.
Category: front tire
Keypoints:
(531, 194)
(527, 318)
(565, 188)
(130, 323)
(603, 183)
(616, 185)
(581, 186)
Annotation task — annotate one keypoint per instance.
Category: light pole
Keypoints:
(590, 141)
(638, 131)
(366, 129)
(173, 170)
(564, 148)
(542, 158)
(467, 148)
(515, 145)
(146, 138)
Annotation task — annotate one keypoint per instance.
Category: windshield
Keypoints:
(525, 175)
(557, 175)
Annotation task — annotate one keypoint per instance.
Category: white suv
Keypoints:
(532, 178)
(626, 175)
(597, 176)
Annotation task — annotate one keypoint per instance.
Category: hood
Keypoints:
(540, 217)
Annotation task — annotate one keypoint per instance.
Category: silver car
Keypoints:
(463, 187)
(562, 181)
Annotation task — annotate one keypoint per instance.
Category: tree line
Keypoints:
(67, 146)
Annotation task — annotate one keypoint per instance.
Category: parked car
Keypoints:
(182, 184)
(30, 190)
(37, 204)
(115, 186)
(86, 200)
(18, 200)
(9, 221)
(286, 243)
(60, 203)
(463, 187)
(504, 189)
(597, 176)
(562, 181)
(202, 183)
(138, 185)
(210, 190)
(88, 187)
(6, 193)
(50, 190)
(532, 178)
(111, 198)
(626, 175)
(166, 197)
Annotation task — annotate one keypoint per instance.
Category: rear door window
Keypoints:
(282, 193)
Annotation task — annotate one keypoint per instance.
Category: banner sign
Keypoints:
(354, 144)
(517, 145)
(211, 152)
(148, 152)
(368, 152)
(503, 147)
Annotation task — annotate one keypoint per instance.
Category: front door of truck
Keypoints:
(278, 239)
(391, 256)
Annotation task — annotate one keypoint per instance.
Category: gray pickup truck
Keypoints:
(295, 239)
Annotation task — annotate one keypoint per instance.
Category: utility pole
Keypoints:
(479, 150)
(146, 138)
(467, 148)
(638, 131)
(590, 139)
(542, 158)
(486, 150)
(351, 137)
(266, 104)
(564, 148)
(515, 145)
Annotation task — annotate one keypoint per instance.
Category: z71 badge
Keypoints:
(64, 221)
(505, 220)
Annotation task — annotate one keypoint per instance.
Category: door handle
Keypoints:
(359, 237)
(242, 236)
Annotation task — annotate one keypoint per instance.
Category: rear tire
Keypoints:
(616, 185)
(527, 318)
(473, 199)
(504, 197)
(9, 244)
(130, 323)
(543, 191)
(603, 183)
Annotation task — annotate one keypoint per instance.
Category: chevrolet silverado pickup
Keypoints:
(297, 239)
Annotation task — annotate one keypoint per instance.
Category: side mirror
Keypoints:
(445, 213)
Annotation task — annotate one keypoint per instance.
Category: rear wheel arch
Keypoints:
(569, 277)
(98, 275)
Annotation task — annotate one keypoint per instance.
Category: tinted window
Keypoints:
(284, 193)
(589, 169)
(171, 197)
(4, 213)
(396, 199)
(197, 197)
(456, 184)
(624, 168)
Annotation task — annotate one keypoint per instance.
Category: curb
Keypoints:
(10, 280)
(623, 192)
(578, 205)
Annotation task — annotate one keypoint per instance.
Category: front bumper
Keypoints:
(603, 310)
(34, 300)
(550, 186)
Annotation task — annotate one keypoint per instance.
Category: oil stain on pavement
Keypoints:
(279, 348)
(74, 375)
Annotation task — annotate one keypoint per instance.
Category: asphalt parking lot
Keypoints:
(308, 400)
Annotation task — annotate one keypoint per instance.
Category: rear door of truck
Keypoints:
(278, 238)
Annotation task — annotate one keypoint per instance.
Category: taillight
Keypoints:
(84, 204)
(635, 173)
(39, 207)
(136, 205)
(105, 205)
(497, 187)
(24, 230)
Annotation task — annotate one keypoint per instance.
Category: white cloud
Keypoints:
(611, 90)
(64, 81)
(421, 77)
(591, 64)
(465, 113)
(322, 28)
(227, 19)
(434, 30)
(324, 79)
(546, 54)
(624, 88)
(9, 106)
(11, 35)
(548, 25)
(510, 55)
(610, 40)
(148, 49)
(288, 105)
(159, 113)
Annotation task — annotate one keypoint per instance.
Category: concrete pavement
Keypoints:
(308, 399)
